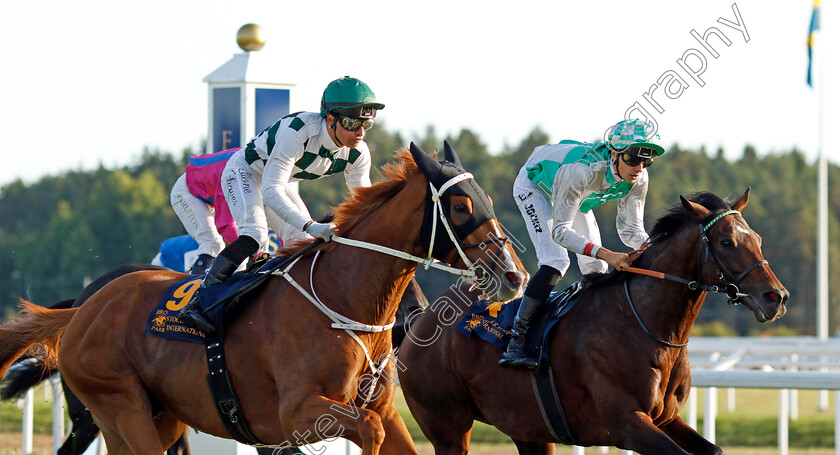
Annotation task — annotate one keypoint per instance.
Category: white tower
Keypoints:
(243, 95)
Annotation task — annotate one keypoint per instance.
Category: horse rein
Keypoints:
(350, 326)
(733, 294)
(469, 274)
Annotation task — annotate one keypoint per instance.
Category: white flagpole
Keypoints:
(822, 188)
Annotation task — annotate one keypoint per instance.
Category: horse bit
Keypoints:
(350, 326)
(733, 294)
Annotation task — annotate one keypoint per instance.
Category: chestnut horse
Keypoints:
(30, 371)
(299, 380)
(618, 358)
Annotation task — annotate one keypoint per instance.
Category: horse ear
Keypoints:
(698, 211)
(450, 155)
(428, 166)
(742, 202)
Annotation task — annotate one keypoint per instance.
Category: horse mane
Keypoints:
(663, 229)
(677, 216)
(363, 201)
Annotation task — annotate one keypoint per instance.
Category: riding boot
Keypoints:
(515, 355)
(192, 313)
(201, 264)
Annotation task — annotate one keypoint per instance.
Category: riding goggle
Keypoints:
(642, 156)
(353, 124)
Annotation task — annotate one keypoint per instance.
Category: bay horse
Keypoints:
(618, 358)
(298, 379)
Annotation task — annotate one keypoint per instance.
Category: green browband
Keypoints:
(728, 212)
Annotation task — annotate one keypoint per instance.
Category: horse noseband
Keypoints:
(733, 293)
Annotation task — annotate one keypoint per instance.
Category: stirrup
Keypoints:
(194, 317)
(515, 356)
(518, 361)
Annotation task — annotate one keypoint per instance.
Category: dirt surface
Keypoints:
(12, 443)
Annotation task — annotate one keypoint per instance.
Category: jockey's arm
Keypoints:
(358, 174)
(275, 183)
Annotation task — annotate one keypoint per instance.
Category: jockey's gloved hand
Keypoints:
(323, 231)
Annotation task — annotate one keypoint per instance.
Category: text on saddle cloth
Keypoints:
(163, 321)
(492, 322)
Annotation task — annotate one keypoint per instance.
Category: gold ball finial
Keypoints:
(249, 37)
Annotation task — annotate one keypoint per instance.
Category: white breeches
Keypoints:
(535, 206)
(242, 188)
(197, 218)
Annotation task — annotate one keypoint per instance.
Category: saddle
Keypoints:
(492, 322)
(215, 301)
(542, 377)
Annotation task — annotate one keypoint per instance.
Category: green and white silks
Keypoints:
(544, 172)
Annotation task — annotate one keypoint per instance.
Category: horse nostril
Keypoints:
(773, 297)
(514, 279)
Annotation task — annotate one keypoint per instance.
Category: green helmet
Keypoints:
(349, 96)
(633, 133)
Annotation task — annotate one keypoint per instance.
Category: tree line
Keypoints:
(62, 231)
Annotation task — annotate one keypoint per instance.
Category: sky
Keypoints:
(93, 82)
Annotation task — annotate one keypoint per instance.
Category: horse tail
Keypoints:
(37, 326)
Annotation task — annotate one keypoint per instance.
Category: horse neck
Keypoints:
(369, 284)
(670, 308)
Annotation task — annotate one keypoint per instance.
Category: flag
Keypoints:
(815, 25)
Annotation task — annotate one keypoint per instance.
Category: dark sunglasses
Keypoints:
(352, 124)
(634, 161)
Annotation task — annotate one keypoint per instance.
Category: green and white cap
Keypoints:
(349, 96)
(633, 133)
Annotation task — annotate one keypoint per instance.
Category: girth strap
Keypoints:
(542, 380)
(227, 405)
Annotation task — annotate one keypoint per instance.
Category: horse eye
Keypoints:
(727, 242)
(461, 208)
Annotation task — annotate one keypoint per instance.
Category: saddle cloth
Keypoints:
(492, 322)
(163, 320)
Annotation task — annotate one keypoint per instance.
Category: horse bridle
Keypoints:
(730, 288)
(469, 274)
(733, 294)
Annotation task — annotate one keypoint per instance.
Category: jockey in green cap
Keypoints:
(260, 180)
(557, 189)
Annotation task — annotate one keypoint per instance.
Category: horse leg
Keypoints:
(689, 439)
(533, 448)
(449, 431)
(286, 451)
(397, 437)
(637, 432)
(182, 445)
(364, 426)
(170, 430)
(84, 430)
(449, 434)
(124, 416)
